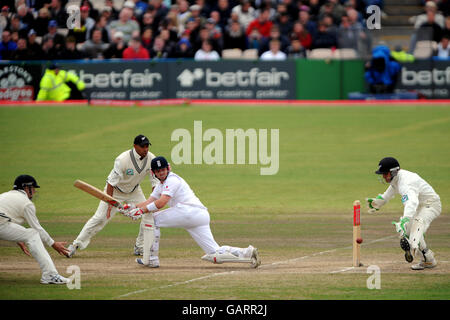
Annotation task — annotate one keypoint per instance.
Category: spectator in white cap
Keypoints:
(116, 47)
(422, 18)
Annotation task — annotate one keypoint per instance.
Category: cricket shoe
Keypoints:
(151, 264)
(72, 249)
(138, 251)
(404, 244)
(252, 253)
(427, 262)
(54, 279)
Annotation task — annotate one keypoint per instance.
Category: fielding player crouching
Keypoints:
(186, 211)
(421, 206)
(16, 208)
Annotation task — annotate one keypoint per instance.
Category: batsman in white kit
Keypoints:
(16, 208)
(185, 211)
(421, 206)
(123, 183)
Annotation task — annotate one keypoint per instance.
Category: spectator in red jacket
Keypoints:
(262, 23)
(135, 50)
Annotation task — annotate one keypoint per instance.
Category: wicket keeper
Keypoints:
(421, 206)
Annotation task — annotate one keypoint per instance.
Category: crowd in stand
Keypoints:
(199, 29)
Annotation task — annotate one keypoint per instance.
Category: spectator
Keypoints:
(183, 49)
(262, 24)
(135, 50)
(364, 39)
(92, 12)
(159, 49)
(323, 38)
(148, 22)
(16, 26)
(70, 51)
(140, 7)
(284, 23)
(296, 50)
(34, 47)
(302, 35)
(116, 48)
(4, 18)
(41, 22)
(346, 35)
(101, 25)
(215, 33)
(206, 53)
(430, 6)
(58, 39)
(7, 46)
(275, 52)
(254, 39)
(430, 30)
(147, 38)
(245, 12)
(22, 52)
(224, 10)
(114, 14)
(381, 72)
(183, 15)
(304, 18)
(292, 9)
(48, 49)
(332, 8)
(196, 14)
(94, 48)
(235, 37)
(274, 34)
(443, 48)
(87, 20)
(159, 10)
(313, 8)
(125, 24)
(205, 35)
(58, 13)
(169, 41)
(26, 18)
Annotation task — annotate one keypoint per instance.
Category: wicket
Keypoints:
(356, 234)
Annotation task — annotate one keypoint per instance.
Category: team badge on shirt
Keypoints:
(130, 172)
(404, 198)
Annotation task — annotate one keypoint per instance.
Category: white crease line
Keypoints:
(261, 267)
(343, 270)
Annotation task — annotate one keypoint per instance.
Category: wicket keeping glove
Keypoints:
(400, 226)
(134, 214)
(375, 204)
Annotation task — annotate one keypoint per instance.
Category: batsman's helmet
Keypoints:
(23, 181)
(388, 164)
(159, 163)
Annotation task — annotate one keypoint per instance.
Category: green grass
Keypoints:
(327, 159)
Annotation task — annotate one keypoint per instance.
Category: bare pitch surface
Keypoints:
(300, 219)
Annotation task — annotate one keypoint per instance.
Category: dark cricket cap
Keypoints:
(141, 140)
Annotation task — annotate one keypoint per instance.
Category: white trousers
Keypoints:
(194, 220)
(99, 220)
(13, 232)
(426, 213)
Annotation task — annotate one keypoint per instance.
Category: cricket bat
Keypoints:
(86, 187)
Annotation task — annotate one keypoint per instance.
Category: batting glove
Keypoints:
(134, 214)
(375, 204)
(400, 226)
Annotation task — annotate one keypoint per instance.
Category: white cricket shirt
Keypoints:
(16, 206)
(129, 170)
(413, 189)
(178, 190)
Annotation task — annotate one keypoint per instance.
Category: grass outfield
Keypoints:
(300, 218)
